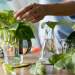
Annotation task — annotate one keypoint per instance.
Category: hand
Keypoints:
(33, 13)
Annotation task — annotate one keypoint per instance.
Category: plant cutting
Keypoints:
(16, 28)
(65, 60)
(38, 69)
(12, 32)
(52, 25)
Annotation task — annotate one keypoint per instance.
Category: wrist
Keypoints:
(46, 9)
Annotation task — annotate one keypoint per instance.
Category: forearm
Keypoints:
(61, 9)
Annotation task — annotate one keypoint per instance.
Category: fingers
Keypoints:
(24, 10)
(30, 18)
(38, 18)
(34, 19)
(31, 13)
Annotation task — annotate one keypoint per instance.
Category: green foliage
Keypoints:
(38, 69)
(55, 58)
(64, 60)
(6, 18)
(8, 68)
(52, 24)
(24, 30)
(11, 29)
(60, 22)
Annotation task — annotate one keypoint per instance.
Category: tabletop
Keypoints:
(30, 58)
(25, 71)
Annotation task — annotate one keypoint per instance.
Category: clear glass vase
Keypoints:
(47, 47)
(10, 47)
(11, 54)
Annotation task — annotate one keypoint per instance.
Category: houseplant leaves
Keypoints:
(16, 29)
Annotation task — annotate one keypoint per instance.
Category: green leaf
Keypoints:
(52, 24)
(14, 29)
(70, 66)
(7, 17)
(24, 31)
(63, 62)
(59, 65)
(31, 26)
(73, 58)
(8, 67)
(54, 58)
(38, 69)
